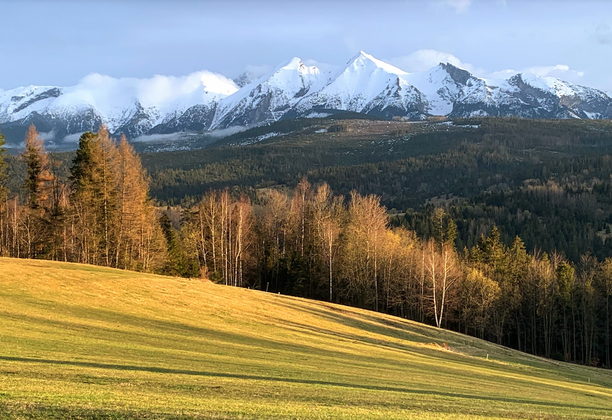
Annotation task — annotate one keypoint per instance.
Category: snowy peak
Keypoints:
(459, 75)
(366, 85)
(203, 101)
(549, 85)
(296, 64)
(268, 98)
(293, 76)
(363, 61)
(565, 99)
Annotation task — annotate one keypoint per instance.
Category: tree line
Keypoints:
(101, 214)
(310, 242)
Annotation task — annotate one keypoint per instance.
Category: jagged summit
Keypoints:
(364, 59)
(205, 101)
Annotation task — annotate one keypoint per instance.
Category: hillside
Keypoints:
(89, 342)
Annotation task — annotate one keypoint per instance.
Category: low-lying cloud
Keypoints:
(47, 136)
(224, 132)
(72, 138)
(156, 138)
(423, 60)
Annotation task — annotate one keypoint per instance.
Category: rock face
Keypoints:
(205, 101)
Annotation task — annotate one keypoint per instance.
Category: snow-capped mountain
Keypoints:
(268, 98)
(206, 101)
(369, 86)
(130, 106)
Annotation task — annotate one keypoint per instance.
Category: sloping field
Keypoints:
(87, 342)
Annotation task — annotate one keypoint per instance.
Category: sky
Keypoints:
(61, 42)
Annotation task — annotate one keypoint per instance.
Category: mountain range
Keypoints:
(205, 101)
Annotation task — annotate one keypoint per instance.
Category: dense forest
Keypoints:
(547, 181)
(470, 258)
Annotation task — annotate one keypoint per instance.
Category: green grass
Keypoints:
(86, 342)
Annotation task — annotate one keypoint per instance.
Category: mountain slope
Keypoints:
(130, 106)
(268, 98)
(369, 86)
(89, 342)
(205, 101)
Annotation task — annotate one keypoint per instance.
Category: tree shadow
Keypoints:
(403, 390)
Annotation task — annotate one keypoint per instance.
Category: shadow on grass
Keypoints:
(422, 334)
(163, 333)
(410, 391)
(32, 411)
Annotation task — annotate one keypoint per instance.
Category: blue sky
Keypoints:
(60, 42)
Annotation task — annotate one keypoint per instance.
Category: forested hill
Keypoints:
(316, 209)
(547, 181)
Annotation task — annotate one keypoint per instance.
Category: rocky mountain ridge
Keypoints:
(204, 101)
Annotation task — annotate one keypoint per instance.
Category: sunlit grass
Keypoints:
(87, 342)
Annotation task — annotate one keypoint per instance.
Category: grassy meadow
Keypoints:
(81, 342)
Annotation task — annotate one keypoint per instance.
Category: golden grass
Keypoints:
(88, 342)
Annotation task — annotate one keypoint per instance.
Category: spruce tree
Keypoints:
(94, 196)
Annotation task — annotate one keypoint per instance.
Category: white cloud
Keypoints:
(560, 71)
(257, 71)
(47, 135)
(162, 137)
(423, 60)
(224, 132)
(72, 138)
(324, 67)
(460, 6)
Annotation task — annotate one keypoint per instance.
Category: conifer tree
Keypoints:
(133, 219)
(38, 186)
(83, 221)
(3, 167)
(4, 214)
(94, 194)
(38, 174)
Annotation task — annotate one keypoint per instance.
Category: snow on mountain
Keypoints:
(136, 105)
(445, 85)
(18, 103)
(269, 97)
(551, 97)
(203, 100)
(370, 86)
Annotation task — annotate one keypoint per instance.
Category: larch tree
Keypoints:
(136, 226)
(3, 166)
(38, 186)
(4, 204)
(106, 193)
